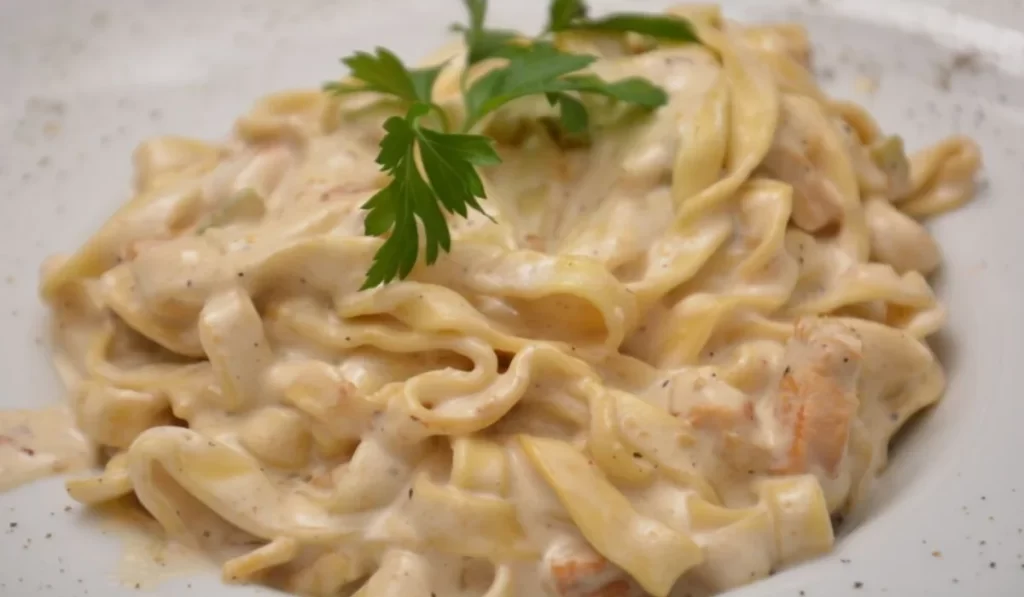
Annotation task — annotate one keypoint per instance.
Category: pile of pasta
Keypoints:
(672, 355)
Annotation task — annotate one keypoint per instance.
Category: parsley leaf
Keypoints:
(633, 90)
(562, 13)
(490, 43)
(569, 15)
(535, 70)
(660, 26)
(477, 10)
(542, 69)
(572, 112)
(450, 162)
(482, 43)
(385, 73)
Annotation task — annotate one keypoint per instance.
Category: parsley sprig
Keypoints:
(570, 15)
(434, 170)
(449, 161)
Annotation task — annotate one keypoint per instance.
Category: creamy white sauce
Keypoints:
(40, 443)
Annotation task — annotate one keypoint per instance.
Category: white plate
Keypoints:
(82, 81)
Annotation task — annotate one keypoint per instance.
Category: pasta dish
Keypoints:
(660, 360)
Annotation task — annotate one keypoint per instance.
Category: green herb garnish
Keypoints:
(449, 160)
(573, 15)
(482, 43)
(541, 69)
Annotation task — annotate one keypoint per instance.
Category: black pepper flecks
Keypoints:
(858, 585)
(991, 564)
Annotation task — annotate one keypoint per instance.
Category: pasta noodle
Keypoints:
(670, 357)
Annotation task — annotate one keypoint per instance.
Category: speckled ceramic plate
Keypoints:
(83, 81)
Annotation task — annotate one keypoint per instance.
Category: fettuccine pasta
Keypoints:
(666, 360)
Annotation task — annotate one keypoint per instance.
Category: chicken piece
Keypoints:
(579, 571)
(735, 429)
(817, 397)
(720, 417)
(793, 158)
